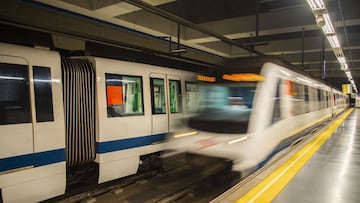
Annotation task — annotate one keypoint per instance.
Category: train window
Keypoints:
(158, 96)
(298, 100)
(43, 94)
(277, 112)
(191, 96)
(322, 97)
(319, 99)
(124, 95)
(306, 94)
(14, 94)
(324, 101)
(328, 99)
(175, 96)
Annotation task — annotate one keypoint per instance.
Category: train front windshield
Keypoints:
(224, 108)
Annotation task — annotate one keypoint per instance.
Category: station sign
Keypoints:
(346, 89)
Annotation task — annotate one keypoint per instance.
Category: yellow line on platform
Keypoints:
(271, 186)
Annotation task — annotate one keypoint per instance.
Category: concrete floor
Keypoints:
(333, 173)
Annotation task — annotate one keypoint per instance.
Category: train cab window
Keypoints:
(14, 94)
(158, 96)
(43, 94)
(124, 95)
(224, 107)
(175, 96)
(191, 96)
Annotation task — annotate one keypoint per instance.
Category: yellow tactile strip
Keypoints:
(271, 186)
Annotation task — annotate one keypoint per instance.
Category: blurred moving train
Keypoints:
(253, 109)
(62, 116)
(357, 101)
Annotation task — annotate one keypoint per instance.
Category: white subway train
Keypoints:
(253, 109)
(357, 101)
(59, 114)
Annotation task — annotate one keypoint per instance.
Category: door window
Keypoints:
(43, 94)
(14, 94)
(175, 96)
(158, 96)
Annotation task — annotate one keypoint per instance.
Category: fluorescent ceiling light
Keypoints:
(323, 20)
(344, 67)
(338, 52)
(348, 73)
(334, 42)
(341, 60)
(328, 28)
(316, 4)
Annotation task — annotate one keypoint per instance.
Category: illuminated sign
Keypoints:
(243, 77)
(346, 89)
(206, 78)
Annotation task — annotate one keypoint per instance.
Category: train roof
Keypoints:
(254, 64)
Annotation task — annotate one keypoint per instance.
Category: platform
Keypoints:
(333, 173)
(324, 169)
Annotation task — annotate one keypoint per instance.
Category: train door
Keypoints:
(16, 140)
(166, 100)
(175, 103)
(160, 114)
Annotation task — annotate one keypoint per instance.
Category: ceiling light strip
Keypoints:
(323, 20)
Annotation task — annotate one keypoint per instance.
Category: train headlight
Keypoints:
(185, 134)
(238, 140)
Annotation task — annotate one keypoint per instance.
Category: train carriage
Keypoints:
(32, 142)
(101, 118)
(106, 118)
(253, 109)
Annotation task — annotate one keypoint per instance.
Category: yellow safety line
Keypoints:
(271, 186)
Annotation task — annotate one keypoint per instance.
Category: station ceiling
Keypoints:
(208, 31)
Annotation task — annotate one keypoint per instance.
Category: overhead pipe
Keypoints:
(177, 19)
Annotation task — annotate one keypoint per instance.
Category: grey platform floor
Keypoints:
(332, 175)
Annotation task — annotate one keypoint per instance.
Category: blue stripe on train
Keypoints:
(55, 156)
(36, 159)
(116, 145)
(284, 144)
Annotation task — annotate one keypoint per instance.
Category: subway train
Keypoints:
(61, 117)
(357, 101)
(254, 108)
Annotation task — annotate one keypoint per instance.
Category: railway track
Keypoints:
(184, 178)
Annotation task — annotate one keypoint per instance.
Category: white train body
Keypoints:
(122, 140)
(357, 101)
(249, 116)
(131, 108)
